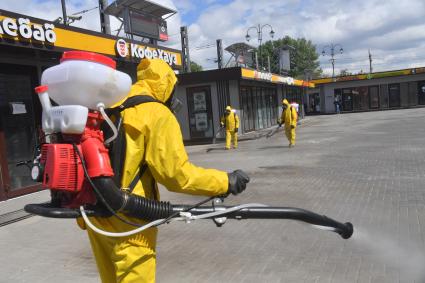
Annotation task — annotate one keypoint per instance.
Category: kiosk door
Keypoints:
(17, 131)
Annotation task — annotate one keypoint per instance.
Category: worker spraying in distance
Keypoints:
(289, 119)
(230, 121)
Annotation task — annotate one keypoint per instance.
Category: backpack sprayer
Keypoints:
(74, 162)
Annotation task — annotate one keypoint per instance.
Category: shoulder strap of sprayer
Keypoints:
(118, 146)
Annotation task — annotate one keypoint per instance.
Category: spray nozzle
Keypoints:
(346, 230)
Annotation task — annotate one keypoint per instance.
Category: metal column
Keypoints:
(185, 49)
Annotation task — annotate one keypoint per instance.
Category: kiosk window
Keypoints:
(200, 113)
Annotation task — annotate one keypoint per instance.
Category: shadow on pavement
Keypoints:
(216, 149)
(274, 146)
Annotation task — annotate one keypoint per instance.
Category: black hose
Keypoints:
(116, 200)
(345, 230)
(131, 204)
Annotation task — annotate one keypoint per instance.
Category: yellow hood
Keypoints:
(154, 78)
(157, 77)
(285, 102)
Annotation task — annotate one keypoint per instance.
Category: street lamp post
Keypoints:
(259, 30)
(331, 49)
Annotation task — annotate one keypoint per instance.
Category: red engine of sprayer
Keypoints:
(63, 168)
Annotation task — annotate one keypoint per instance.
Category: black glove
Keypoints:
(280, 124)
(236, 130)
(292, 127)
(237, 182)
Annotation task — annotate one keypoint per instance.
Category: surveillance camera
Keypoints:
(58, 20)
(75, 18)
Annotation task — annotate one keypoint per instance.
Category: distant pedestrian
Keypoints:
(337, 106)
(289, 118)
(230, 120)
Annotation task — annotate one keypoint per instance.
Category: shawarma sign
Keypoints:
(18, 30)
(23, 28)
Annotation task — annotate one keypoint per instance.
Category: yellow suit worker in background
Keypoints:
(153, 137)
(289, 118)
(231, 121)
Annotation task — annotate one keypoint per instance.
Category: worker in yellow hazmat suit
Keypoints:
(230, 120)
(153, 137)
(289, 118)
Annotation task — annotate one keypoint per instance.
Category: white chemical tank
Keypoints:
(86, 78)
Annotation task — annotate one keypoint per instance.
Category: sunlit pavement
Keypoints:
(366, 168)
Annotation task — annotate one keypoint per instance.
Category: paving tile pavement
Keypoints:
(366, 168)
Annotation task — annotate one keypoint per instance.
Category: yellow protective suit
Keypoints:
(231, 122)
(151, 131)
(289, 118)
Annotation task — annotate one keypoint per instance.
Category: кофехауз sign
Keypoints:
(137, 51)
(19, 30)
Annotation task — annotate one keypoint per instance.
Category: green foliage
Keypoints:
(304, 57)
(345, 72)
(194, 67)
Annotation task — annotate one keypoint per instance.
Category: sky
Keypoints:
(393, 30)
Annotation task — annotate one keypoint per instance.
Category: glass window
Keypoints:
(347, 99)
(200, 113)
(421, 92)
(244, 107)
(251, 108)
(394, 95)
(257, 101)
(363, 97)
(374, 97)
(263, 108)
(383, 95)
(268, 107)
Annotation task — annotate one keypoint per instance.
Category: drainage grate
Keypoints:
(14, 216)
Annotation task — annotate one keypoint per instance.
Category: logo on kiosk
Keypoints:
(139, 52)
(263, 76)
(121, 48)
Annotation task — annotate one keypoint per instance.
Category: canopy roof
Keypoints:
(239, 48)
(148, 7)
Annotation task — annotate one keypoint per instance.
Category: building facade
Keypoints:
(366, 92)
(27, 47)
(256, 96)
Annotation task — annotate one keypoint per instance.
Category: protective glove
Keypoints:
(221, 125)
(280, 124)
(237, 182)
(292, 127)
(236, 130)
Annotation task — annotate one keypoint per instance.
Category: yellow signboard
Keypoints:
(265, 76)
(19, 29)
(404, 72)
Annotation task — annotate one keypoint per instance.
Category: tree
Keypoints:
(303, 56)
(194, 67)
(345, 72)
